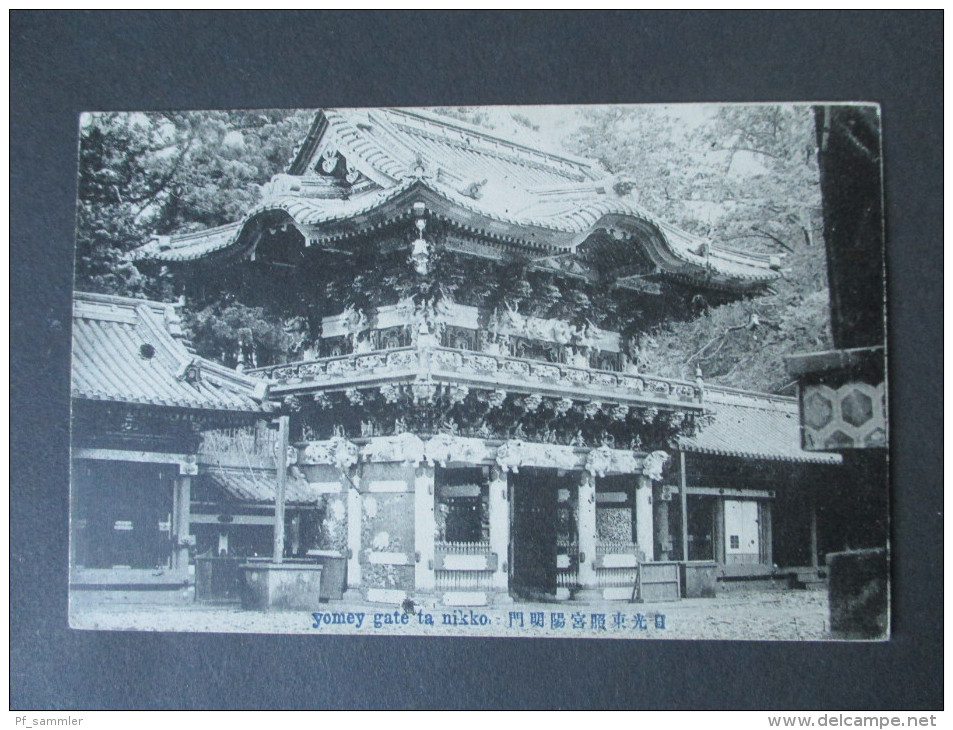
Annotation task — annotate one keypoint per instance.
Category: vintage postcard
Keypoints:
(604, 371)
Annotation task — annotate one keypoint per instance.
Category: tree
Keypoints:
(143, 174)
(746, 177)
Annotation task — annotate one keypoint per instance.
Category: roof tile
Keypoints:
(111, 360)
(753, 426)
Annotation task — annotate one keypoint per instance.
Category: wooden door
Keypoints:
(742, 532)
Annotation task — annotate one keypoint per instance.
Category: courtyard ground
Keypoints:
(748, 614)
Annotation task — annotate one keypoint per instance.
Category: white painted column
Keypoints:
(354, 516)
(644, 530)
(500, 528)
(586, 525)
(424, 528)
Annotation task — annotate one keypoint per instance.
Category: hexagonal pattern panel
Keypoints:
(850, 417)
(818, 411)
(857, 408)
(839, 440)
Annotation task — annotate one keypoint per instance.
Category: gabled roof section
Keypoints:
(259, 486)
(507, 192)
(752, 426)
(134, 351)
(396, 142)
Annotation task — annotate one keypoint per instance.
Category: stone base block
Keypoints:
(292, 587)
(859, 603)
(699, 579)
(390, 596)
(465, 598)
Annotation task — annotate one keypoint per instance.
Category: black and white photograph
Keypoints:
(457, 360)
(612, 371)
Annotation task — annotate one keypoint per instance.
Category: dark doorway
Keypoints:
(701, 528)
(533, 534)
(122, 514)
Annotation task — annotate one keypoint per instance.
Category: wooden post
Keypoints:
(182, 515)
(354, 516)
(644, 524)
(683, 494)
(281, 467)
(662, 530)
(718, 548)
(767, 539)
(586, 526)
(814, 562)
(499, 509)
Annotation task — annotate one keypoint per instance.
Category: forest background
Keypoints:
(745, 176)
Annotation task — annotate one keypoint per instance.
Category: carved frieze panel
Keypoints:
(444, 448)
(337, 452)
(406, 448)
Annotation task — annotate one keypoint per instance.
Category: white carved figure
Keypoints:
(653, 464)
(510, 456)
(599, 461)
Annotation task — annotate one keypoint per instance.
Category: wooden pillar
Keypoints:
(181, 502)
(281, 469)
(644, 524)
(425, 526)
(663, 538)
(767, 539)
(683, 495)
(718, 515)
(814, 562)
(354, 516)
(586, 526)
(295, 533)
(499, 508)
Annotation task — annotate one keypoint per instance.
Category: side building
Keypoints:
(141, 400)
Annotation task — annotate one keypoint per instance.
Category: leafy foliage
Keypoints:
(747, 178)
(154, 173)
(233, 333)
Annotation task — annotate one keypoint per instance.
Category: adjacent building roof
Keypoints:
(134, 351)
(508, 192)
(752, 426)
(259, 486)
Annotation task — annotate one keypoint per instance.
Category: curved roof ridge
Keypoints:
(753, 397)
(427, 114)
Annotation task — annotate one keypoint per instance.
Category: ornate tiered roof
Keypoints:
(133, 351)
(360, 170)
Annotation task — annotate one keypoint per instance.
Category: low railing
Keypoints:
(616, 547)
(494, 369)
(616, 563)
(329, 370)
(503, 368)
(567, 565)
(463, 580)
(462, 548)
(464, 566)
